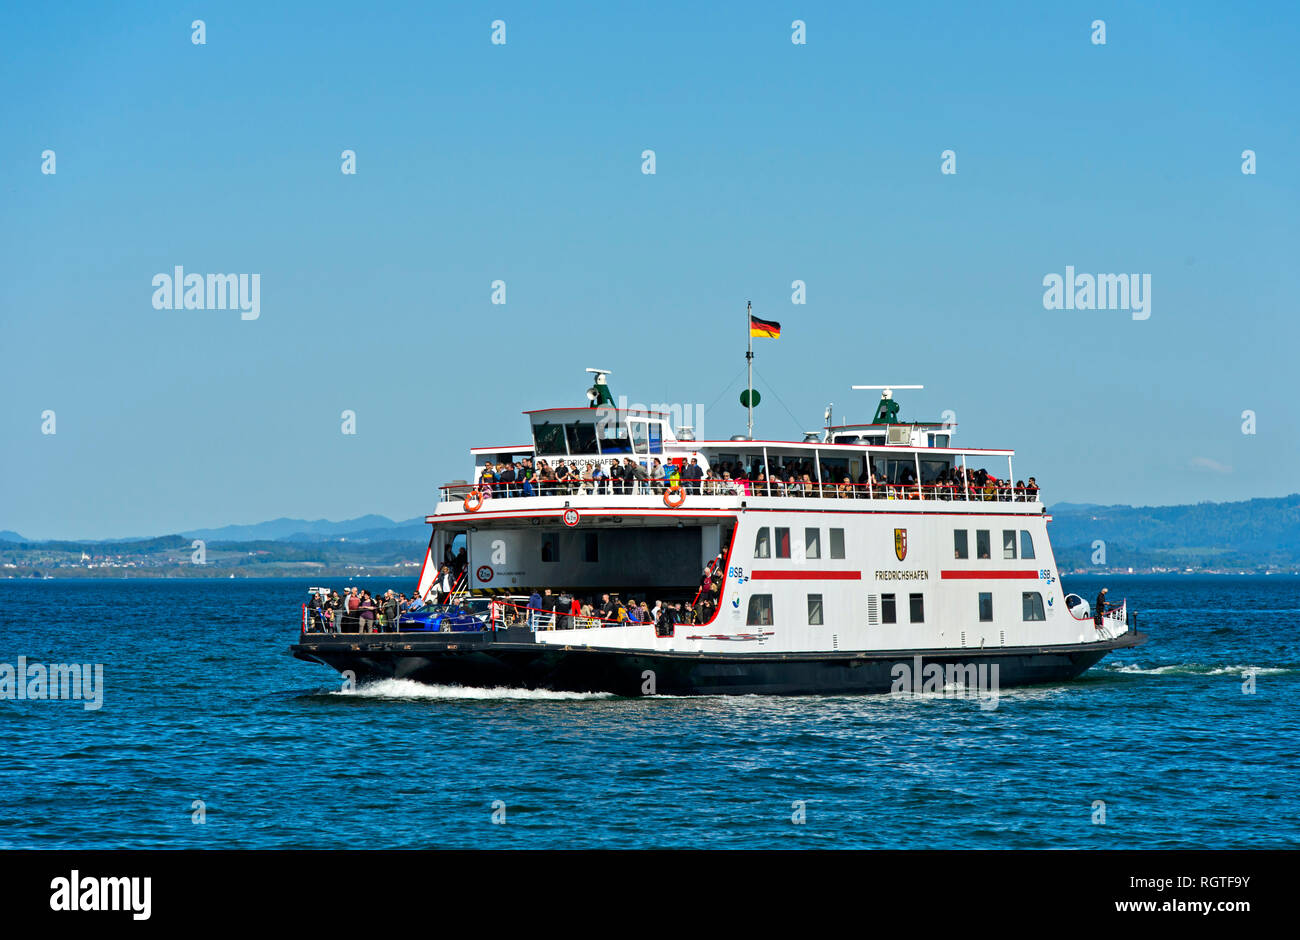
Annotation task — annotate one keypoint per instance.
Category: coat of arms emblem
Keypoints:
(900, 543)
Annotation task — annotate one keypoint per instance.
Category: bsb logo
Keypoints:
(900, 543)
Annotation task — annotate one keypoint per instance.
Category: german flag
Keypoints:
(768, 328)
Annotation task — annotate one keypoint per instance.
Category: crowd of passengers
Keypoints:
(359, 611)
(626, 476)
(567, 610)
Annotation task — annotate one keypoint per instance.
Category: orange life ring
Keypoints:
(674, 503)
(477, 499)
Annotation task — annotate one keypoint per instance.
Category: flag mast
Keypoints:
(749, 362)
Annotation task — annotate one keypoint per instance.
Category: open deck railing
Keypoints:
(999, 491)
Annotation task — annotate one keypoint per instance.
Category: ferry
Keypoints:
(835, 564)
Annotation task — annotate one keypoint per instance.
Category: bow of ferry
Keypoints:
(828, 587)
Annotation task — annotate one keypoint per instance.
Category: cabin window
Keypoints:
(916, 605)
(550, 547)
(582, 438)
(812, 543)
(548, 438)
(960, 544)
(656, 438)
(782, 542)
(888, 609)
(982, 543)
(763, 543)
(986, 606)
(590, 548)
(1008, 543)
(837, 543)
(1032, 602)
(814, 610)
(760, 610)
(1026, 544)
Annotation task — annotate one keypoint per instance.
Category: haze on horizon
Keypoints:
(522, 163)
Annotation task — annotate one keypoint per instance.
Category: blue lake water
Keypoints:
(203, 703)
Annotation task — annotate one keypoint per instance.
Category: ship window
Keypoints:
(837, 543)
(960, 544)
(763, 543)
(812, 543)
(888, 612)
(548, 438)
(760, 611)
(982, 543)
(550, 547)
(1008, 543)
(814, 610)
(656, 438)
(591, 549)
(1032, 602)
(986, 606)
(1026, 544)
(916, 605)
(782, 542)
(582, 438)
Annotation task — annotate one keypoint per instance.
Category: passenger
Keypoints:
(534, 608)
(366, 614)
(1099, 609)
(1031, 490)
(635, 476)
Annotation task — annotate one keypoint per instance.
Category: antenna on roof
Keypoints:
(887, 411)
(599, 393)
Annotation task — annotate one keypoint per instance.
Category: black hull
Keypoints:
(488, 661)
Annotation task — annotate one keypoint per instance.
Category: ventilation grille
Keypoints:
(835, 641)
(873, 610)
(1003, 637)
(899, 435)
(963, 638)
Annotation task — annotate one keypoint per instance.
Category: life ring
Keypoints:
(474, 501)
(674, 503)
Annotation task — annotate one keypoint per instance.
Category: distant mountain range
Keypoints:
(1254, 535)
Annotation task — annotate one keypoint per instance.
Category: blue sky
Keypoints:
(522, 162)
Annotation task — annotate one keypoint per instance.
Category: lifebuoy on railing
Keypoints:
(674, 503)
(474, 501)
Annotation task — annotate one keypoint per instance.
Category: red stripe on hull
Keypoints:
(806, 576)
(981, 575)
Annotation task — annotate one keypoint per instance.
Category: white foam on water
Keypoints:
(410, 689)
(1198, 669)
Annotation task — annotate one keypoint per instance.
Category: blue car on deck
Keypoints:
(467, 616)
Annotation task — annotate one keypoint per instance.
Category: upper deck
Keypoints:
(632, 459)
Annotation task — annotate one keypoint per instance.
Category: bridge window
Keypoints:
(582, 438)
(888, 609)
(1032, 602)
(1008, 543)
(548, 438)
(814, 610)
(916, 603)
(960, 544)
(812, 543)
(982, 543)
(837, 543)
(763, 543)
(782, 542)
(760, 611)
(1026, 544)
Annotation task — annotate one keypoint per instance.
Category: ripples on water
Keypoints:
(203, 703)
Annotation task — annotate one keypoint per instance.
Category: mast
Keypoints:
(749, 363)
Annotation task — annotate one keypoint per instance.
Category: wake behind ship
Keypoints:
(615, 553)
